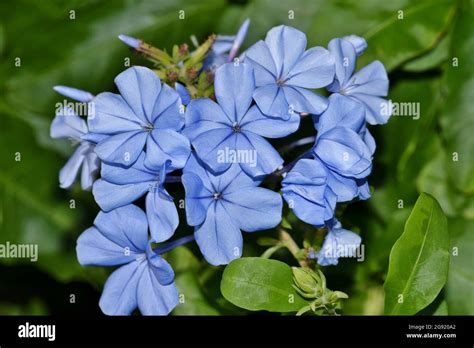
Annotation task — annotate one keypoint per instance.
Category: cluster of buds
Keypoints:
(182, 66)
(312, 286)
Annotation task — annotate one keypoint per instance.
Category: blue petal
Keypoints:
(343, 151)
(68, 173)
(234, 85)
(203, 115)
(168, 112)
(90, 166)
(286, 45)
(183, 93)
(253, 209)
(303, 100)
(306, 190)
(342, 112)
(162, 215)
(166, 145)
(345, 60)
(139, 87)
(66, 124)
(258, 123)
(136, 173)
(345, 188)
(371, 79)
(264, 67)
(123, 148)
(358, 42)
(272, 101)
(155, 298)
(210, 144)
(198, 198)
(159, 267)
(74, 93)
(119, 296)
(338, 240)
(260, 157)
(218, 238)
(377, 110)
(126, 226)
(314, 69)
(95, 249)
(112, 115)
(197, 167)
(110, 196)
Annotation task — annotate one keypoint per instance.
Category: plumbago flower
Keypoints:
(145, 112)
(232, 130)
(284, 73)
(68, 125)
(144, 280)
(226, 110)
(220, 206)
(366, 86)
(338, 243)
(120, 186)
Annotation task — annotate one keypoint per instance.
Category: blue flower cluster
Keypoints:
(218, 148)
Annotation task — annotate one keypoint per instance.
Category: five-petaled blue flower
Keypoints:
(221, 206)
(366, 86)
(144, 280)
(285, 73)
(145, 112)
(68, 125)
(120, 186)
(338, 243)
(232, 131)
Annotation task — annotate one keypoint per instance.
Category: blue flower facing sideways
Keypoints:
(366, 86)
(221, 206)
(68, 125)
(285, 72)
(144, 280)
(120, 186)
(338, 243)
(144, 113)
(231, 130)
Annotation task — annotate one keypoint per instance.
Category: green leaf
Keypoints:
(261, 284)
(456, 120)
(432, 59)
(460, 287)
(408, 32)
(419, 260)
(192, 299)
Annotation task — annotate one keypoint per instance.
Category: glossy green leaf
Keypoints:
(419, 260)
(261, 284)
(460, 287)
(457, 119)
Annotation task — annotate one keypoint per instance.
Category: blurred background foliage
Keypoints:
(428, 54)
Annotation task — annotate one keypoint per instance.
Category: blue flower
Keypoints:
(306, 190)
(232, 131)
(221, 206)
(366, 86)
(284, 73)
(338, 243)
(225, 48)
(120, 186)
(144, 280)
(68, 125)
(346, 147)
(145, 112)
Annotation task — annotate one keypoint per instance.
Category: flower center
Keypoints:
(217, 195)
(236, 128)
(280, 82)
(148, 127)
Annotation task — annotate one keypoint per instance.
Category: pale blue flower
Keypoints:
(285, 73)
(144, 280)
